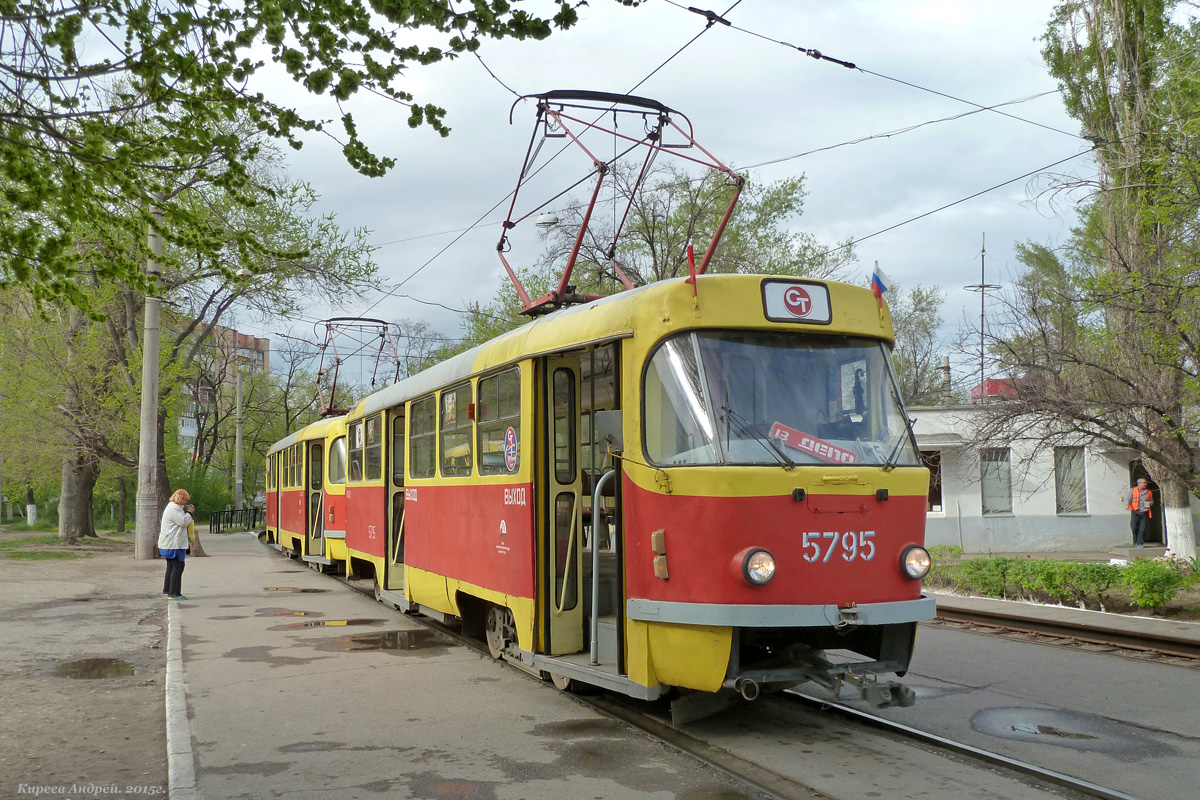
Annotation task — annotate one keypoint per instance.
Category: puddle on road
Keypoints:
(1070, 729)
(293, 589)
(427, 642)
(286, 612)
(94, 668)
(325, 623)
(1049, 730)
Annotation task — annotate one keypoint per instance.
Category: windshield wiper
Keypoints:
(890, 464)
(772, 446)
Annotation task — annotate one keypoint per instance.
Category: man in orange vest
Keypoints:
(1138, 500)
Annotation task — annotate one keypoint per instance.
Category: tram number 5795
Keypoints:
(820, 545)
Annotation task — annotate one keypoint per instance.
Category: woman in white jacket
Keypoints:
(173, 541)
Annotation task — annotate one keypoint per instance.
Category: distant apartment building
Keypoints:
(215, 375)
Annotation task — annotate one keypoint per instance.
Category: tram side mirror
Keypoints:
(609, 433)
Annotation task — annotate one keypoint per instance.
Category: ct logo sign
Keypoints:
(796, 301)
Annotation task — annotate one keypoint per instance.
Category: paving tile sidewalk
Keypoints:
(278, 709)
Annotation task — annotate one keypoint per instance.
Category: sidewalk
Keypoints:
(294, 706)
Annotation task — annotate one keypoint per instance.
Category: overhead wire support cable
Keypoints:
(814, 53)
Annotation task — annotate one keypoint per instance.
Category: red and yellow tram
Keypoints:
(698, 488)
(306, 493)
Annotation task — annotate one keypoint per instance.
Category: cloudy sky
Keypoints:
(752, 102)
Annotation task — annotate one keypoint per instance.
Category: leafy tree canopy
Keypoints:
(119, 105)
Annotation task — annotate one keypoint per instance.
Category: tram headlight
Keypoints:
(915, 562)
(758, 566)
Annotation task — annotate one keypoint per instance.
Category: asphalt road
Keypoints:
(1116, 722)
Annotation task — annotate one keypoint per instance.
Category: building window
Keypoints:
(932, 459)
(996, 479)
(1070, 488)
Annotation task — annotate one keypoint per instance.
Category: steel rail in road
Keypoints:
(1166, 644)
(975, 753)
(755, 776)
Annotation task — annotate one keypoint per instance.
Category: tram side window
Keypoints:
(291, 470)
(422, 435)
(374, 428)
(337, 460)
(356, 452)
(499, 423)
(271, 471)
(564, 426)
(456, 431)
(397, 451)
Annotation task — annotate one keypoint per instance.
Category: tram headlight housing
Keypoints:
(758, 566)
(915, 562)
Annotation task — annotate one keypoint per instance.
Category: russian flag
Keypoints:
(880, 282)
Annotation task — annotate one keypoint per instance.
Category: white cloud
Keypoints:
(750, 101)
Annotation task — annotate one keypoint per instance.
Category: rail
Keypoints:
(235, 519)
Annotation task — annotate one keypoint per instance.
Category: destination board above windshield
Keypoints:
(796, 301)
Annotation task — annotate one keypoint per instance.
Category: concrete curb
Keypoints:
(181, 768)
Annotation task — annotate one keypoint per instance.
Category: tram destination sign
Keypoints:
(796, 301)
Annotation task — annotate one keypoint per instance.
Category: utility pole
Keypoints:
(147, 493)
(237, 492)
(983, 287)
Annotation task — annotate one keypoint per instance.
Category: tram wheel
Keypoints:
(564, 684)
(499, 629)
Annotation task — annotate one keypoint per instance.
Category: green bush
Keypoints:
(1151, 584)
(986, 576)
(1148, 584)
(944, 560)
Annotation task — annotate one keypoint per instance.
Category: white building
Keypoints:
(1007, 500)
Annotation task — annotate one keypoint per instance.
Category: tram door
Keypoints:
(562, 510)
(395, 530)
(314, 526)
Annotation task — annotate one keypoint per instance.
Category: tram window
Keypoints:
(337, 460)
(499, 423)
(374, 454)
(356, 452)
(318, 457)
(270, 471)
(565, 470)
(290, 472)
(397, 451)
(566, 594)
(422, 434)
(456, 431)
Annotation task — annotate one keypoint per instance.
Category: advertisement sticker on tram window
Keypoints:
(807, 443)
(510, 450)
(796, 301)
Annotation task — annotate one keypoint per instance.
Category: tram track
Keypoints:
(1138, 645)
(761, 779)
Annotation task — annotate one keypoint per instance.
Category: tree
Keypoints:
(1102, 337)
(670, 210)
(80, 375)
(916, 319)
(107, 102)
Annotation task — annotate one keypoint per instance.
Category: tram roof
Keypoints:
(604, 320)
(313, 430)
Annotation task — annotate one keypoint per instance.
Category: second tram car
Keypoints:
(698, 487)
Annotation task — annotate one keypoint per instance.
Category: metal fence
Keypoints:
(236, 519)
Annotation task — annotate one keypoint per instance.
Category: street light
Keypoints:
(983, 287)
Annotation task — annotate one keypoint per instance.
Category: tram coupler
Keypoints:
(886, 695)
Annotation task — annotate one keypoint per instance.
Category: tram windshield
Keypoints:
(774, 398)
